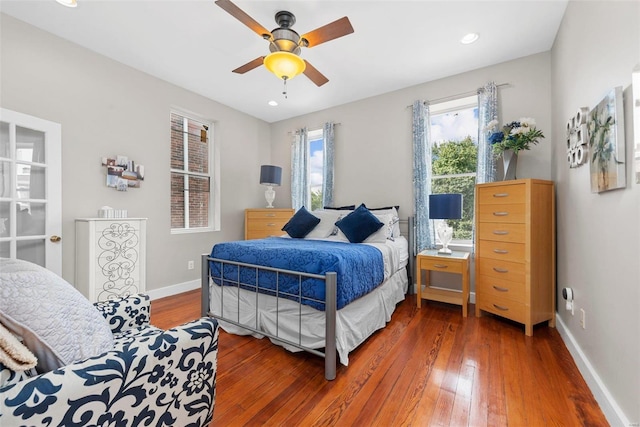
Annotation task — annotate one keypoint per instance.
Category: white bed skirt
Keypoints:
(354, 324)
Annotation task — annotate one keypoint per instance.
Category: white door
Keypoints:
(30, 196)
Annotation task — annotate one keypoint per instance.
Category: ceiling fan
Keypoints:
(285, 44)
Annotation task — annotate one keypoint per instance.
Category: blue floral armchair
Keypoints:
(150, 378)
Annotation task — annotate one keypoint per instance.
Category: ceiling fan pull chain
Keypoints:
(284, 92)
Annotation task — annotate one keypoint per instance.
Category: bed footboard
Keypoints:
(330, 305)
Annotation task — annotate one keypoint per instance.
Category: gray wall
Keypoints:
(598, 234)
(374, 152)
(105, 109)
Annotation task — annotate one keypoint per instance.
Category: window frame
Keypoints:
(449, 106)
(213, 211)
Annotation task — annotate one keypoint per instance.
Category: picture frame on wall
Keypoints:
(123, 173)
(607, 144)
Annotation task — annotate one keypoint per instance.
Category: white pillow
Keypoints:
(385, 232)
(396, 220)
(56, 322)
(326, 225)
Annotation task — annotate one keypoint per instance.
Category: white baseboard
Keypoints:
(168, 291)
(607, 403)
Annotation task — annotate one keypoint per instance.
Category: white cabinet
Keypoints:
(110, 257)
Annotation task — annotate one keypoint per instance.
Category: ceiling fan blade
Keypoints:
(249, 65)
(241, 16)
(331, 31)
(314, 75)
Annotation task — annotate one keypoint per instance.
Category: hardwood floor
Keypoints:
(428, 367)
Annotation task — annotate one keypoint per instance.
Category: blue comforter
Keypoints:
(359, 267)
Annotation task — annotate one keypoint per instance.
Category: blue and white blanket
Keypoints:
(359, 267)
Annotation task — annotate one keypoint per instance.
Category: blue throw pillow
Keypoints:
(301, 223)
(359, 224)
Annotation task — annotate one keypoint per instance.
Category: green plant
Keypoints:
(516, 136)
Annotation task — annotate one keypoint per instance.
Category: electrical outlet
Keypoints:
(190, 265)
(583, 320)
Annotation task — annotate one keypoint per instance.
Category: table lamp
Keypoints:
(445, 206)
(270, 176)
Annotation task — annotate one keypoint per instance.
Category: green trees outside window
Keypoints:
(454, 166)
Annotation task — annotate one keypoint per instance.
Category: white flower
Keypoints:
(493, 123)
(516, 131)
(527, 122)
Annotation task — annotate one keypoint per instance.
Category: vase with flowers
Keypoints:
(512, 138)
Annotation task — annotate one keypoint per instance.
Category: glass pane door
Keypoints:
(30, 202)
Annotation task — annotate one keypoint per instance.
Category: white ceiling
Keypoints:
(195, 44)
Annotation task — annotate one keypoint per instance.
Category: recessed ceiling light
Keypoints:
(68, 3)
(273, 103)
(469, 38)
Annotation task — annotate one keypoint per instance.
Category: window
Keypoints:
(454, 133)
(316, 168)
(191, 174)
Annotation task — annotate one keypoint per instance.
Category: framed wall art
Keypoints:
(123, 173)
(606, 143)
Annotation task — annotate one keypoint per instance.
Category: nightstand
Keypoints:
(261, 223)
(457, 262)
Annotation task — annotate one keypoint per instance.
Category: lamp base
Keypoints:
(270, 195)
(445, 233)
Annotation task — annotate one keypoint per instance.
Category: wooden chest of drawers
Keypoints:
(261, 223)
(515, 251)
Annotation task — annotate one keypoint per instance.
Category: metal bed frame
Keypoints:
(330, 279)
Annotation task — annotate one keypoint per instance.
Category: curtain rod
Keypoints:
(452, 97)
(312, 127)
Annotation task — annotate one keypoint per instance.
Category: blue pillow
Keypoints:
(359, 224)
(301, 223)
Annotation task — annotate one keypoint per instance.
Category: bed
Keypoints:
(320, 293)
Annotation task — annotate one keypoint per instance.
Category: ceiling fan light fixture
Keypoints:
(68, 3)
(285, 65)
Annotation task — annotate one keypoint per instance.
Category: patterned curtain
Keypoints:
(328, 158)
(487, 111)
(422, 176)
(299, 169)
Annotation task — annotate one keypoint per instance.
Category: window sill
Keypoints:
(460, 247)
(192, 230)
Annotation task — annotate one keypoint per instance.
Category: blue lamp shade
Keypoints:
(270, 175)
(445, 206)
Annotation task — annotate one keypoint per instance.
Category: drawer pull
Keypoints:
(501, 251)
(270, 215)
(440, 265)
(499, 307)
(500, 289)
(500, 270)
(500, 232)
(500, 194)
(500, 213)
(271, 224)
